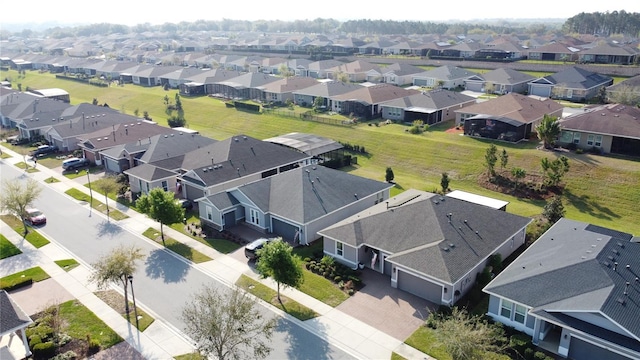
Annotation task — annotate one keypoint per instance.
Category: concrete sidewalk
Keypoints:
(349, 334)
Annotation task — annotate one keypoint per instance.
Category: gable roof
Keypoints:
(576, 266)
(610, 119)
(13, 317)
(251, 80)
(375, 94)
(311, 192)
(236, 157)
(447, 72)
(429, 101)
(416, 229)
(149, 172)
(289, 84)
(327, 89)
(507, 76)
(515, 106)
(578, 78)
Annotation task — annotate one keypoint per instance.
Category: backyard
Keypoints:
(599, 189)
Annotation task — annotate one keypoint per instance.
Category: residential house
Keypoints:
(462, 50)
(235, 161)
(626, 91)
(355, 71)
(203, 83)
(294, 204)
(320, 149)
(510, 117)
(611, 128)
(149, 75)
(366, 101)
(573, 84)
(554, 52)
(399, 74)
(609, 54)
(31, 114)
(575, 291)
(326, 90)
(431, 107)
(93, 143)
(499, 81)
(282, 90)
(429, 245)
(320, 69)
(246, 86)
(446, 77)
(179, 76)
(14, 323)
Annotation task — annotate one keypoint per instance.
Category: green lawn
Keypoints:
(396, 356)
(28, 167)
(322, 289)
(67, 264)
(609, 198)
(269, 295)
(222, 246)
(51, 180)
(33, 236)
(424, 340)
(177, 247)
(7, 249)
(81, 323)
(116, 301)
(96, 204)
(35, 273)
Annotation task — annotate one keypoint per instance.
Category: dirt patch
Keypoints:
(528, 188)
(454, 130)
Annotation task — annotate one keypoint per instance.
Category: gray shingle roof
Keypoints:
(13, 317)
(575, 266)
(149, 172)
(611, 119)
(432, 100)
(578, 78)
(308, 193)
(415, 228)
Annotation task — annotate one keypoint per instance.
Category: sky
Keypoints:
(127, 12)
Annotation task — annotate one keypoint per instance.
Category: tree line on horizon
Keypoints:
(616, 22)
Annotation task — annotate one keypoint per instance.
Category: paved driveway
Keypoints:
(392, 311)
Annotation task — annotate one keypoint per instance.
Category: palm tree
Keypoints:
(548, 130)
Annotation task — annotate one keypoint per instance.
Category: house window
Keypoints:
(165, 185)
(598, 140)
(339, 248)
(209, 213)
(520, 314)
(505, 308)
(576, 138)
(254, 217)
(590, 140)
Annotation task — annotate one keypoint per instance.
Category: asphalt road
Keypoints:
(163, 282)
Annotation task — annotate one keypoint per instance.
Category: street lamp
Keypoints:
(90, 191)
(133, 295)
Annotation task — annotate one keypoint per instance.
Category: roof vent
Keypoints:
(621, 244)
(621, 301)
(446, 249)
(452, 245)
(210, 168)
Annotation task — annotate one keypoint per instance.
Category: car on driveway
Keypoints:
(74, 163)
(44, 150)
(250, 250)
(35, 217)
(185, 203)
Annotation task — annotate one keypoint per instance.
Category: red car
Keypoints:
(35, 217)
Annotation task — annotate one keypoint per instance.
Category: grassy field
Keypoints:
(600, 190)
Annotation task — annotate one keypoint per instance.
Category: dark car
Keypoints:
(44, 150)
(35, 217)
(251, 248)
(185, 203)
(74, 163)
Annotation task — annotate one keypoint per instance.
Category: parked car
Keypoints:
(35, 217)
(250, 250)
(74, 163)
(44, 150)
(185, 203)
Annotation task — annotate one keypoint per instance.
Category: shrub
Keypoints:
(325, 274)
(350, 292)
(69, 355)
(539, 355)
(94, 347)
(337, 279)
(520, 342)
(431, 321)
(308, 266)
(579, 151)
(44, 350)
(33, 340)
(328, 261)
(307, 259)
(528, 354)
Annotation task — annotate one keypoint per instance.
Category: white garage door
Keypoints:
(419, 287)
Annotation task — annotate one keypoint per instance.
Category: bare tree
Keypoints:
(228, 325)
(17, 196)
(116, 267)
(107, 185)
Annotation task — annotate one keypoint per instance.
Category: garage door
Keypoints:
(582, 350)
(419, 287)
(229, 219)
(281, 228)
(420, 82)
(474, 86)
(544, 91)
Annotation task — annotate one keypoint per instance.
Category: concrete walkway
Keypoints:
(160, 341)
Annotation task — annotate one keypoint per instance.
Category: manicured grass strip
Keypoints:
(115, 300)
(321, 288)
(309, 251)
(67, 264)
(7, 249)
(223, 246)
(396, 356)
(424, 340)
(96, 204)
(51, 180)
(33, 236)
(190, 356)
(81, 323)
(269, 295)
(35, 274)
(23, 165)
(177, 247)
(4, 155)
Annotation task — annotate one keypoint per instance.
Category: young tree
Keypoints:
(116, 267)
(277, 261)
(554, 210)
(444, 182)
(554, 170)
(518, 174)
(491, 158)
(178, 102)
(318, 102)
(467, 337)
(161, 206)
(227, 325)
(389, 176)
(17, 196)
(548, 130)
(107, 185)
(504, 158)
